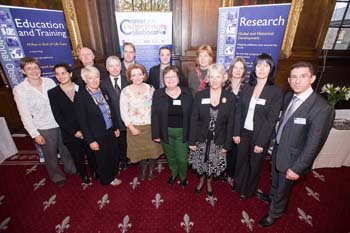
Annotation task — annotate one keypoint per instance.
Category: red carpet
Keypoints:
(46, 208)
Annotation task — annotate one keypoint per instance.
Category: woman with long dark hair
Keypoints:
(256, 117)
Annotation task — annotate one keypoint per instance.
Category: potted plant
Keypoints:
(336, 93)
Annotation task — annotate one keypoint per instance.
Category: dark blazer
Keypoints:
(154, 77)
(90, 117)
(106, 83)
(159, 117)
(265, 116)
(62, 109)
(300, 143)
(124, 69)
(200, 118)
(76, 76)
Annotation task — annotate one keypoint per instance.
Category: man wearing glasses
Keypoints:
(303, 129)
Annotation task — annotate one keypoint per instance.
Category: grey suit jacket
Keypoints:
(304, 134)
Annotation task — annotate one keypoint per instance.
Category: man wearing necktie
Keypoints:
(114, 84)
(304, 127)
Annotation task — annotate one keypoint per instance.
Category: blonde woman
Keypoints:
(211, 128)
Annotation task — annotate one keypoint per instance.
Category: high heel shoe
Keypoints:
(198, 190)
(210, 193)
(183, 183)
(171, 180)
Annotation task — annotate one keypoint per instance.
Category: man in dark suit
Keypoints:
(303, 129)
(156, 72)
(86, 57)
(114, 83)
(129, 54)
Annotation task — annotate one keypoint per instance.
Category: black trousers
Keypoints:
(248, 165)
(231, 159)
(107, 157)
(281, 189)
(77, 149)
(122, 145)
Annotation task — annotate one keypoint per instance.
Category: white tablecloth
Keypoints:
(7, 145)
(336, 150)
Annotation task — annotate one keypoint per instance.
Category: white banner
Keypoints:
(148, 31)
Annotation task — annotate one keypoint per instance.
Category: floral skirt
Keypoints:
(211, 165)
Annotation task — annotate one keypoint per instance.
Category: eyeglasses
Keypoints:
(303, 76)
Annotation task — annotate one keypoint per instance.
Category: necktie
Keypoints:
(116, 87)
(292, 107)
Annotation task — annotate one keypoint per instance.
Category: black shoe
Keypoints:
(264, 197)
(210, 193)
(242, 197)
(86, 180)
(60, 183)
(183, 183)
(124, 166)
(171, 180)
(223, 177)
(267, 221)
(95, 175)
(198, 190)
(234, 188)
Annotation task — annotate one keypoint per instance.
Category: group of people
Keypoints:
(218, 122)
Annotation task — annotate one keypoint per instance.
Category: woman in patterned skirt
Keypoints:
(211, 128)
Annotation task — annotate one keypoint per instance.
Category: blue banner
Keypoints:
(32, 33)
(248, 31)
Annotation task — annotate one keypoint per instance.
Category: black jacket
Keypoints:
(154, 77)
(90, 117)
(76, 74)
(159, 117)
(265, 115)
(63, 111)
(201, 116)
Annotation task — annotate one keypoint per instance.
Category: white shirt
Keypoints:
(119, 82)
(303, 96)
(34, 106)
(249, 123)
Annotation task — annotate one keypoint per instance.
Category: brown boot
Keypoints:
(151, 164)
(143, 167)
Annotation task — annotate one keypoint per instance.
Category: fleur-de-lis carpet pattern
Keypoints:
(31, 203)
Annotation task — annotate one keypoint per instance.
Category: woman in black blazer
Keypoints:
(211, 128)
(170, 120)
(61, 100)
(99, 124)
(256, 117)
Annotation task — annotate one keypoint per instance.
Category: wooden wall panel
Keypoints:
(8, 109)
(199, 26)
(89, 25)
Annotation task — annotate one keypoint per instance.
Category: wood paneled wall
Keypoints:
(195, 23)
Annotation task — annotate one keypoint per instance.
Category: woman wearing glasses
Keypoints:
(171, 113)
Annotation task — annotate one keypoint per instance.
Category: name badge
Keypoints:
(299, 121)
(261, 101)
(206, 101)
(176, 102)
